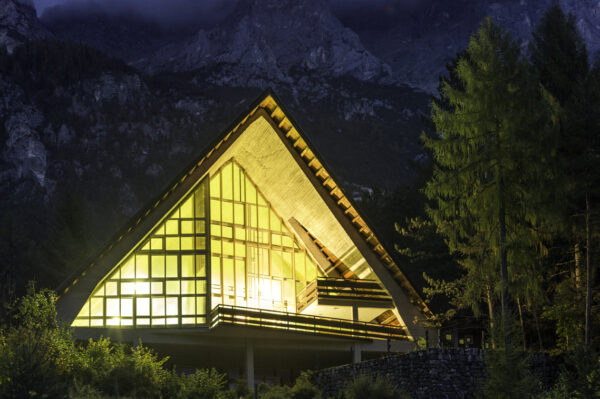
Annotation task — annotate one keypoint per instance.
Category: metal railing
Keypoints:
(293, 322)
(327, 288)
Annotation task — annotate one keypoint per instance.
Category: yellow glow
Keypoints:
(187, 209)
(141, 266)
(156, 244)
(187, 243)
(157, 287)
(188, 305)
(142, 287)
(112, 307)
(80, 323)
(226, 182)
(171, 269)
(126, 307)
(172, 307)
(158, 306)
(187, 266)
(172, 227)
(128, 269)
(158, 266)
(113, 321)
(85, 310)
(111, 288)
(127, 288)
(172, 243)
(97, 308)
(173, 287)
(142, 307)
(187, 227)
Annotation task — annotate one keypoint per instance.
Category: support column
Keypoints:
(354, 312)
(356, 352)
(250, 364)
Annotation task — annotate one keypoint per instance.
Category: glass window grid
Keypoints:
(263, 229)
(155, 246)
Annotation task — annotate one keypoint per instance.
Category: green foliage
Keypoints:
(509, 373)
(580, 374)
(35, 354)
(303, 388)
(366, 387)
(205, 384)
(489, 152)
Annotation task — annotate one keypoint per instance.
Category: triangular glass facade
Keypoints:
(163, 282)
(256, 261)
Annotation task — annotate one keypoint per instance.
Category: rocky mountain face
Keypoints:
(18, 23)
(425, 38)
(272, 40)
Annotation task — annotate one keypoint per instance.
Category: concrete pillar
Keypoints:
(356, 352)
(250, 364)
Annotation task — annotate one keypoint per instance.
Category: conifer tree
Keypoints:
(560, 59)
(486, 174)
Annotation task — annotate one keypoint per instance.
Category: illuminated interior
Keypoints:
(163, 281)
(255, 260)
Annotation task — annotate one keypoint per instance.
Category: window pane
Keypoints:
(171, 269)
(158, 306)
(141, 266)
(172, 306)
(97, 308)
(112, 307)
(173, 287)
(188, 287)
(188, 305)
(187, 266)
(142, 307)
(158, 266)
(187, 209)
(126, 307)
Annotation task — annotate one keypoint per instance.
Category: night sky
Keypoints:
(358, 14)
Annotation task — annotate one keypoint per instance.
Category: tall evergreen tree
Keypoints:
(560, 59)
(486, 174)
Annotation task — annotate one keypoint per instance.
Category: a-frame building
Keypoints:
(254, 261)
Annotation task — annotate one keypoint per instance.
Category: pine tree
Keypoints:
(560, 59)
(485, 178)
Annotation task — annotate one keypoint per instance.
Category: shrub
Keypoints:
(36, 356)
(365, 387)
(580, 373)
(205, 384)
(304, 388)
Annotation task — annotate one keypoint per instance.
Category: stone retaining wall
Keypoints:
(432, 374)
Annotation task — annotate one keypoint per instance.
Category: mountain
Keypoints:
(273, 39)
(18, 23)
(423, 39)
(124, 35)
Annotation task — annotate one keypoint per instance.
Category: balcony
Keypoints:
(343, 292)
(307, 324)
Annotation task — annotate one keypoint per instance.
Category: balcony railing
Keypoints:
(343, 292)
(293, 322)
